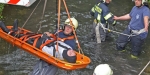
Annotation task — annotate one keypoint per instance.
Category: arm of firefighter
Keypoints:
(92, 11)
(109, 18)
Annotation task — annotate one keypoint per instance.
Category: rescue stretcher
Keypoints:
(81, 62)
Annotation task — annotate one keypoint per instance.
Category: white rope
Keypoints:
(30, 15)
(97, 33)
(42, 16)
(114, 31)
(144, 68)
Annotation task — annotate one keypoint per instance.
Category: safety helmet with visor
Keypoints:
(74, 22)
(103, 69)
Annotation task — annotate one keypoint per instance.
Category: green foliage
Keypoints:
(1, 10)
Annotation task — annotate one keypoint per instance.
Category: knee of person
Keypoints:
(103, 69)
(119, 47)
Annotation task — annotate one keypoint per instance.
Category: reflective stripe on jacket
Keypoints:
(102, 13)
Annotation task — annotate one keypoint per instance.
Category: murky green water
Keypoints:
(14, 61)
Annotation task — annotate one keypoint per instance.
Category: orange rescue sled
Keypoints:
(82, 60)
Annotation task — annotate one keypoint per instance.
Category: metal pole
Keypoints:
(144, 68)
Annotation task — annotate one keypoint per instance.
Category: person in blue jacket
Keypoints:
(138, 27)
(102, 16)
(43, 68)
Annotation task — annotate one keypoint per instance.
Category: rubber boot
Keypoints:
(4, 28)
(15, 25)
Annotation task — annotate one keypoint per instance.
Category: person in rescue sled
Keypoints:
(66, 47)
(102, 17)
(43, 68)
(66, 44)
(138, 27)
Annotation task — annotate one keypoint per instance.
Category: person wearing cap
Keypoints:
(102, 18)
(103, 69)
(138, 27)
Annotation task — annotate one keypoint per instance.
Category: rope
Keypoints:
(144, 68)
(58, 23)
(42, 16)
(27, 19)
(114, 31)
(79, 48)
(30, 15)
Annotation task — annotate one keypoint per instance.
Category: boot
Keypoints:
(15, 25)
(3, 27)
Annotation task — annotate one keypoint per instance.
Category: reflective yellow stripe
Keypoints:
(98, 17)
(93, 10)
(99, 10)
(114, 22)
(69, 65)
(108, 16)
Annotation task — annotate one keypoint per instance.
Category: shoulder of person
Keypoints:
(103, 6)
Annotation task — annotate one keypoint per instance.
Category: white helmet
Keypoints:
(74, 22)
(103, 69)
(144, 1)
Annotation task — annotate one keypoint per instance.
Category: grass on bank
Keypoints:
(1, 10)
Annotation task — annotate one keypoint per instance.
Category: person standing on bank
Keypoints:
(138, 26)
(102, 16)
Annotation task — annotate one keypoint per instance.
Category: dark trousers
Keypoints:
(43, 68)
(101, 31)
(136, 42)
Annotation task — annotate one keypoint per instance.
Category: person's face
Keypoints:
(108, 1)
(138, 2)
(71, 53)
(68, 30)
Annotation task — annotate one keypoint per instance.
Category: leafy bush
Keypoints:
(1, 10)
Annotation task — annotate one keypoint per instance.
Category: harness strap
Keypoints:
(68, 38)
(35, 41)
(25, 36)
(46, 43)
(54, 50)
(63, 46)
(35, 36)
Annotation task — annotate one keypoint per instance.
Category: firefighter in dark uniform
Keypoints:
(102, 15)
